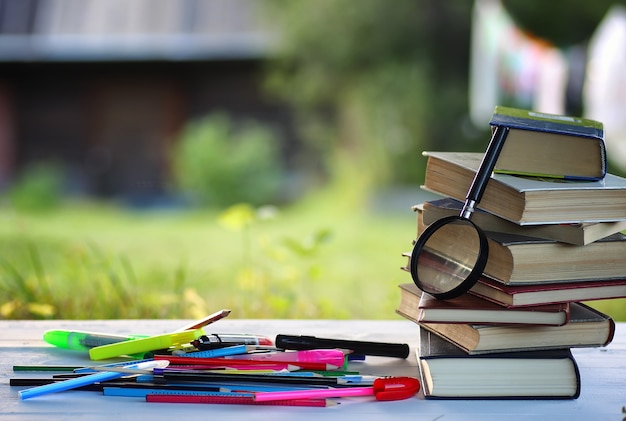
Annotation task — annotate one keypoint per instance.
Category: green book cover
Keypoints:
(551, 123)
(550, 145)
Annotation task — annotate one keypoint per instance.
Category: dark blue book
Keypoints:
(550, 145)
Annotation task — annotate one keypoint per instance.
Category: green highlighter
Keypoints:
(79, 340)
(142, 345)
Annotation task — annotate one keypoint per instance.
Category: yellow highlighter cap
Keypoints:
(137, 346)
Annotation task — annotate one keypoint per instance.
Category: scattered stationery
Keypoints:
(216, 369)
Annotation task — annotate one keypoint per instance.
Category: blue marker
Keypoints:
(220, 352)
(83, 381)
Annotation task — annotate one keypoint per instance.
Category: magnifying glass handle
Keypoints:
(479, 183)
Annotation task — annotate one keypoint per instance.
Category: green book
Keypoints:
(550, 145)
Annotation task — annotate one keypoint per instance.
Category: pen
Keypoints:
(233, 363)
(328, 356)
(383, 389)
(141, 390)
(83, 370)
(142, 345)
(223, 368)
(380, 349)
(204, 377)
(81, 381)
(58, 368)
(220, 352)
(238, 400)
(206, 321)
(220, 340)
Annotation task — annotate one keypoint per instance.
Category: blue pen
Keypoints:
(84, 370)
(83, 381)
(231, 386)
(142, 392)
(220, 352)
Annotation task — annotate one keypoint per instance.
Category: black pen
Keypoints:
(380, 349)
(165, 377)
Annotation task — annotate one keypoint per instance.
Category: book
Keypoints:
(538, 294)
(528, 200)
(447, 372)
(422, 307)
(581, 233)
(587, 328)
(519, 260)
(516, 259)
(549, 145)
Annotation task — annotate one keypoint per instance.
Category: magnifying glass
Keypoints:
(451, 254)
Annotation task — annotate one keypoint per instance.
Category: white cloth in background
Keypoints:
(604, 91)
(510, 67)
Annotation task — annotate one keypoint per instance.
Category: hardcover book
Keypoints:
(528, 200)
(539, 294)
(422, 307)
(515, 259)
(447, 372)
(580, 234)
(519, 260)
(587, 328)
(549, 145)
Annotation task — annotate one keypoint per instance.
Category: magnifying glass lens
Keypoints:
(449, 257)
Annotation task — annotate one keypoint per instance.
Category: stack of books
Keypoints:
(553, 216)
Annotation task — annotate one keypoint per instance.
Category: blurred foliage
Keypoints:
(218, 163)
(34, 284)
(38, 188)
(374, 82)
(276, 277)
(562, 22)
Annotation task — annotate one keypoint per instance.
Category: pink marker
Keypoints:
(325, 356)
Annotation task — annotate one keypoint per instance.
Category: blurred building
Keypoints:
(103, 86)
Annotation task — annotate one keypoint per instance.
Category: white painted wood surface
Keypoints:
(603, 372)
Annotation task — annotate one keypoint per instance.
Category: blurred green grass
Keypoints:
(95, 261)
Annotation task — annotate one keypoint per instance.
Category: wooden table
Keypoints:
(603, 372)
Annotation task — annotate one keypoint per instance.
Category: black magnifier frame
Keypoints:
(454, 265)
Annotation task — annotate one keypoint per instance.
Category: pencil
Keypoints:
(238, 400)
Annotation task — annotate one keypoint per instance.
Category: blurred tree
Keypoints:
(374, 82)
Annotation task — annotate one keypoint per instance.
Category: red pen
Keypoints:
(383, 389)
